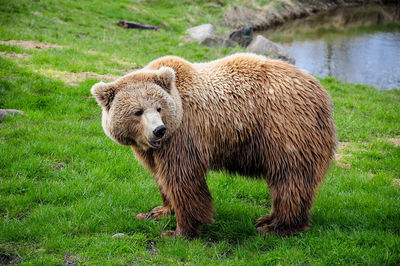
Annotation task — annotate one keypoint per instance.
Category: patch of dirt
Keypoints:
(122, 62)
(395, 141)
(341, 155)
(57, 20)
(152, 247)
(8, 259)
(116, 60)
(94, 52)
(134, 9)
(74, 78)
(58, 166)
(37, 14)
(72, 260)
(344, 165)
(396, 182)
(14, 55)
(31, 44)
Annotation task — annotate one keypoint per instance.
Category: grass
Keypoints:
(66, 189)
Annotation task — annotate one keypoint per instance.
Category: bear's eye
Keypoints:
(139, 113)
(159, 109)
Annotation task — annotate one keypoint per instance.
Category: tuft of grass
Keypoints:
(358, 111)
(66, 189)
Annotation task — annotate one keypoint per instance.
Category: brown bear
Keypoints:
(243, 113)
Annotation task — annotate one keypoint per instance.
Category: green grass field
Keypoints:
(66, 189)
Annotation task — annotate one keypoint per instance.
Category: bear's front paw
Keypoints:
(156, 213)
(159, 212)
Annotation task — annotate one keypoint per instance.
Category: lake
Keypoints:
(353, 44)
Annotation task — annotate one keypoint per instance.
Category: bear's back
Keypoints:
(254, 103)
(246, 90)
(249, 91)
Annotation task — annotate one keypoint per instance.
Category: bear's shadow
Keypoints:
(230, 225)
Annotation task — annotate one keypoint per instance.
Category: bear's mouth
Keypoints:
(155, 144)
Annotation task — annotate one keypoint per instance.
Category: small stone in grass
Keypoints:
(118, 235)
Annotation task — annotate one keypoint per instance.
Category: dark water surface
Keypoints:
(353, 44)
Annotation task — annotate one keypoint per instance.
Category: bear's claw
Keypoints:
(263, 220)
(156, 213)
(270, 225)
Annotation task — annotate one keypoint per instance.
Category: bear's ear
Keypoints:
(104, 94)
(165, 78)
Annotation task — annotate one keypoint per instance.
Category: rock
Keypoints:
(118, 235)
(263, 46)
(199, 33)
(6, 112)
(243, 36)
(216, 41)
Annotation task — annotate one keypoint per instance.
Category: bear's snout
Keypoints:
(159, 131)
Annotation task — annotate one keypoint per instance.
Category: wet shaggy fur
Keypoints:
(243, 113)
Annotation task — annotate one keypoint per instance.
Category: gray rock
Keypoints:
(216, 41)
(263, 46)
(242, 36)
(6, 112)
(199, 33)
(118, 235)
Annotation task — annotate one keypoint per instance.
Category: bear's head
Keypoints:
(142, 108)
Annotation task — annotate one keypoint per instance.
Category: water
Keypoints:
(357, 45)
(372, 59)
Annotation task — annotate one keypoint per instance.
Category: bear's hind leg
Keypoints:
(291, 203)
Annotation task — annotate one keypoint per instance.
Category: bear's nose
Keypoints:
(159, 131)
